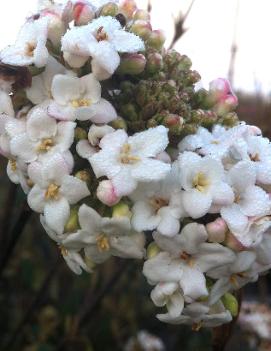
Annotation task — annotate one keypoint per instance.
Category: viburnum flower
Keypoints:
(158, 205)
(17, 173)
(40, 89)
(42, 134)
(79, 98)
(200, 315)
(54, 190)
(73, 258)
(233, 276)
(30, 46)
(102, 40)
(203, 181)
(185, 258)
(250, 201)
(103, 237)
(127, 160)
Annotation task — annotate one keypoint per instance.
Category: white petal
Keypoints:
(126, 247)
(210, 256)
(91, 88)
(242, 175)
(150, 170)
(89, 219)
(73, 189)
(162, 291)
(222, 194)
(235, 219)
(39, 125)
(36, 199)
(196, 203)
(103, 112)
(56, 214)
(95, 255)
(84, 149)
(65, 88)
(65, 135)
(193, 283)
(144, 218)
(175, 305)
(63, 113)
(192, 235)
(127, 42)
(22, 147)
(123, 183)
(169, 225)
(106, 56)
(55, 168)
(255, 202)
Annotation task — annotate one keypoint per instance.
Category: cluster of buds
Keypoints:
(109, 138)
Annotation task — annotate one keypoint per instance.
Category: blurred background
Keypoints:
(44, 306)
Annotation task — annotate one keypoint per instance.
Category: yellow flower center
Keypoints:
(126, 156)
(101, 34)
(30, 48)
(200, 182)
(215, 142)
(52, 192)
(81, 103)
(63, 250)
(45, 145)
(197, 326)
(254, 157)
(157, 203)
(13, 165)
(102, 243)
(187, 258)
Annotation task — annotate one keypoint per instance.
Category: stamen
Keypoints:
(81, 103)
(52, 192)
(125, 155)
(13, 165)
(197, 326)
(45, 145)
(254, 157)
(30, 48)
(103, 243)
(200, 182)
(157, 203)
(101, 35)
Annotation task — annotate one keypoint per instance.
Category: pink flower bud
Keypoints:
(82, 13)
(128, 7)
(217, 230)
(233, 243)
(132, 64)
(222, 96)
(106, 193)
(157, 39)
(220, 87)
(141, 28)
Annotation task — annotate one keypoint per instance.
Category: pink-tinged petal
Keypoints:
(103, 112)
(55, 168)
(65, 135)
(150, 170)
(236, 220)
(193, 283)
(162, 268)
(22, 147)
(62, 113)
(106, 193)
(89, 219)
(36, 199)
(35, 173)
(144, 217)
(65, 88)
(39, 125)
(242, 175)
(123, 183)
(196, 203)
(84, 149)
(74, 189)
(91, 88)
(56, 214)
(255, 202)
(150, 142)
(83, 113)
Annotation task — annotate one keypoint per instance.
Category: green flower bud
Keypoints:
(129, 112)
(156, 39)
(119, 123)
(141, 28)
(109, 9)
(154, 63)
(80, 134)
(132, 64)
(121, 210)
(84, 175)
(152, 250)
(231, 304)
(72, 224)
(141, 15)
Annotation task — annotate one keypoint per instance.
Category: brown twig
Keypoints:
(179, 26)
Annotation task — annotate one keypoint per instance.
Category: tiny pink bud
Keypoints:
(141, 28)
(220, 87)
(154, 63)
(217, 230)
(132, 64)
(157, 39)
(128, 7)
(142, 15)
(82, 13)
(233, 243)
(106, 193)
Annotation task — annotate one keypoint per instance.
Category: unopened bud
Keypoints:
(84, 175)
(109, 9)
(225, 105)
(152, 250)
(231, 304)
(128, 7)
(80, 134)
(121, 210)
(233, 243)
(132, 64)
(154, 63)
(72, 224)
(142, 15)
(129, 112)
(174, 123)
(230, 119)
(217, 230)
(220, 87)
(106, 193)
(141, 28)
(119, 123)
(83, 13)
(156, 39)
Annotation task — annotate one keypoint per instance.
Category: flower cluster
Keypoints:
(114, 146)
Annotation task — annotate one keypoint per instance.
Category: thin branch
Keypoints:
(35, 303)
(179, 25)
(149, 8)
(15, 236)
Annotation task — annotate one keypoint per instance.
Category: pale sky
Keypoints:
(208, 40)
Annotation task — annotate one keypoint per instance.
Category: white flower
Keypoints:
(54, 190)
(42, 135)
(102, 40)
(158, 205)
(17, 173)
(233, 276)
(250, 201)
(203, 181)
(87, 148)
(79, 98)
(40, 89)
(103, 237)
(185, 258)
(30, 46)
(128, 160)
(73, 258)
(200, 315)
(6, 106)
